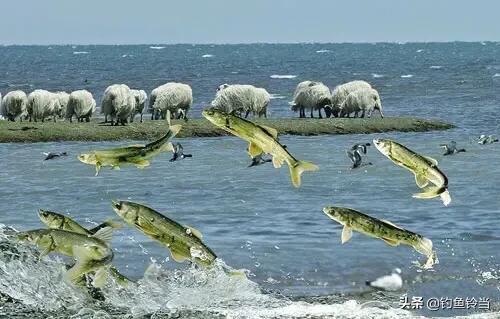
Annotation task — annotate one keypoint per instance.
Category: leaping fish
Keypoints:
(425, 169)
(382, 229)
(262, 139)
(138, 155)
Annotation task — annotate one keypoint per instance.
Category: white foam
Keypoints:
(322, 51)
(80, 52)
(281, 76)
(420, 50)
(277, 97)
(207, 56)
(496, 75)
(406, 76)
(375, 75)
(436, 67)
(156, 47)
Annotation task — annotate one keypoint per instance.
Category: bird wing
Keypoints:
(351, 156)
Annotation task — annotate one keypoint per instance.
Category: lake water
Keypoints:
(252, 217)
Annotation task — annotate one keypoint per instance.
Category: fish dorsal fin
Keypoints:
(432, 160)
(392, 224)
(272, 131)
(346, 234)
(390, 242)
(108, 223)
(196, 233)
(254, 150)
(421, 180)
(277, 161)
(178, 257)
(105, 234)
(137, 145)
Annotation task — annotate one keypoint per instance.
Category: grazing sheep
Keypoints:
(364, 100)
(340, 93)
(42, 104)
(14, 105)
(312, 95)
(174, 97)
(240, 98)
(81, 104)
(118, 102)
(140, 99)
(63, 98)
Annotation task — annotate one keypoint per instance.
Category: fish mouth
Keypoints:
(42, 213)
(117, 205)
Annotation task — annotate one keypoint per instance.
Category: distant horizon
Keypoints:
(250, 43)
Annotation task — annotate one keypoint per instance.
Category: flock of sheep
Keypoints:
(120, 104)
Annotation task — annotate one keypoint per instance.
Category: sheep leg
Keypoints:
(312, 114)
(87, 119)
(363, 114)
(141, 117)
(319, 113)
(246, 114)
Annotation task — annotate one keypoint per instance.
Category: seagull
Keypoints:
(50, 155)
(179, 153)
(483, 139)
(361, 147)
(259, 160)
(390, 282)
(451, 148)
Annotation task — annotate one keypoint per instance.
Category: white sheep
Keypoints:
(340, 93)
(81, 104)
(364, 100)
(42, 104)
(240, 98)
(312, 95)
(140, 99)
(14, 104)
(118, 102)
(174, 97)
(63, 98)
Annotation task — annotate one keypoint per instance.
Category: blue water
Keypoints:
(252, 217)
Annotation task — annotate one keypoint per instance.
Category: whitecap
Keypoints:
(322, 51)
(80, 52)
(406, 76)
(420, 50)
(156, 48)
(207, 56)
(375, 75)
(437, 67)
(277, 96)
(280, 76)
(496, 75)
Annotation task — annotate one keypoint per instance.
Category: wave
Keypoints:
(496, 75)
(156, 47)
(207, 56)
(322, 51)
(280, 76)
(80, 52)
(406, 76)
(277, 96)
(375, 75)
(436, 67)
(420, 50)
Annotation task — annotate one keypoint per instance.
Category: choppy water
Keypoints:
(252, 217)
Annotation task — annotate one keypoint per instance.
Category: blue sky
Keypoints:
(226, 21)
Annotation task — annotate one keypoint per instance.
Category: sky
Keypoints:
(250, 21)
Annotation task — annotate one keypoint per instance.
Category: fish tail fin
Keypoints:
(101, 277)
(431, 192)
(299, 168)
(424, 246)
(108, 223)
